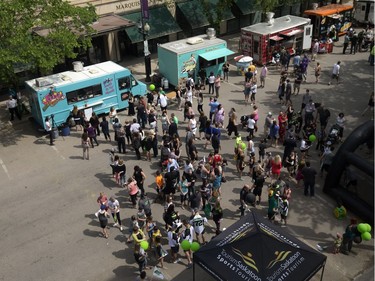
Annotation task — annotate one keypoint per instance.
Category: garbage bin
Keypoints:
(55, 133)
(65, 131)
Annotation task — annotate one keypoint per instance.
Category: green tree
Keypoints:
(215, 11)
(67, 27)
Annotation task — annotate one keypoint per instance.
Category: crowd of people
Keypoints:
(191, 180)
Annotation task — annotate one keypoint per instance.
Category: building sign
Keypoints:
(125, 6)
(52, 98)
(108, 86)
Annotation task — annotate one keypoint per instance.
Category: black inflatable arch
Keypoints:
(345, 156)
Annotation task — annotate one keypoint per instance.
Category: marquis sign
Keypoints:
(127, 5)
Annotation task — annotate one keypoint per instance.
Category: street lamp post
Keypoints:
(144, 28)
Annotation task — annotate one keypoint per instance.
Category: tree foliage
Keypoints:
(215, 10)
(68, 28)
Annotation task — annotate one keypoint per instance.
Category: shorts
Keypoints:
(175, 249)
(262, 78)
(335, 76)
(297, 86)
(204, 230)
(257, 191)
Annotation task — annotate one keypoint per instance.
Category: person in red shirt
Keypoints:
(102, 199)
(217, 160)
(276, 166)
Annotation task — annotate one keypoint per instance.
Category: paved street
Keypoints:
(48, 193)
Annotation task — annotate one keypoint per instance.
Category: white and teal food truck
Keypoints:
(179, 59)
(95, 88)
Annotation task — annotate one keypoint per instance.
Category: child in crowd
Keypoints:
(338, 243)
(159, 180)
(133, 223)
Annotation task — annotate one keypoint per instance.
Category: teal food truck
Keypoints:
(95, 88)
(179, 59)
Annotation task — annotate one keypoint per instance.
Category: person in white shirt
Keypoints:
(163, 101)
(173, 242)
(197, 221)
(335, 72)
(263, 76)
(13, 109)
(114, 206)
(135, 127)
(211, 83)
(172, 163)
(315, 50)
(251, 126)
(193, 124)
(48, 126)
(253, 91)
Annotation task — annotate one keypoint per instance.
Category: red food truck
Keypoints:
(261, 40)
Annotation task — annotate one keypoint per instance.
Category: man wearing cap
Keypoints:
(267, 124)
(315, 50)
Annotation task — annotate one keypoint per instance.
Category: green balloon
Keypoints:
(366, 236)
(152, 87)
(368, 227)
(144, 245)
(195, 246)
(362, 228)
(185, 245)
(312, 138)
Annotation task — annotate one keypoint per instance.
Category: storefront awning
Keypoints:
(161, 23)
(110, 23)
(292, 32)
(103, 25)
(193, 11)
(245, 6)
(276, 38)
(216, 54)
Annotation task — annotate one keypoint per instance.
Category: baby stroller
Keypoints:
(334, 134)
(164, 155)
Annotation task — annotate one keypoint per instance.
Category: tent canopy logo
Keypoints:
(280, 256)
(247, 258)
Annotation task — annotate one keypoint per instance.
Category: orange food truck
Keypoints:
(330, 21)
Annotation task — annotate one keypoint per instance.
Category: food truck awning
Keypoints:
(161, 23)
(216, 54)
(192, 11)
(276, 38)
(292, 32)
(328, 10)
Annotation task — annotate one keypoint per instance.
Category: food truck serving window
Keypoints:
(207, 63)
(84, 93)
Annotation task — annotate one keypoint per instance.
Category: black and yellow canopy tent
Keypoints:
(255, 249)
